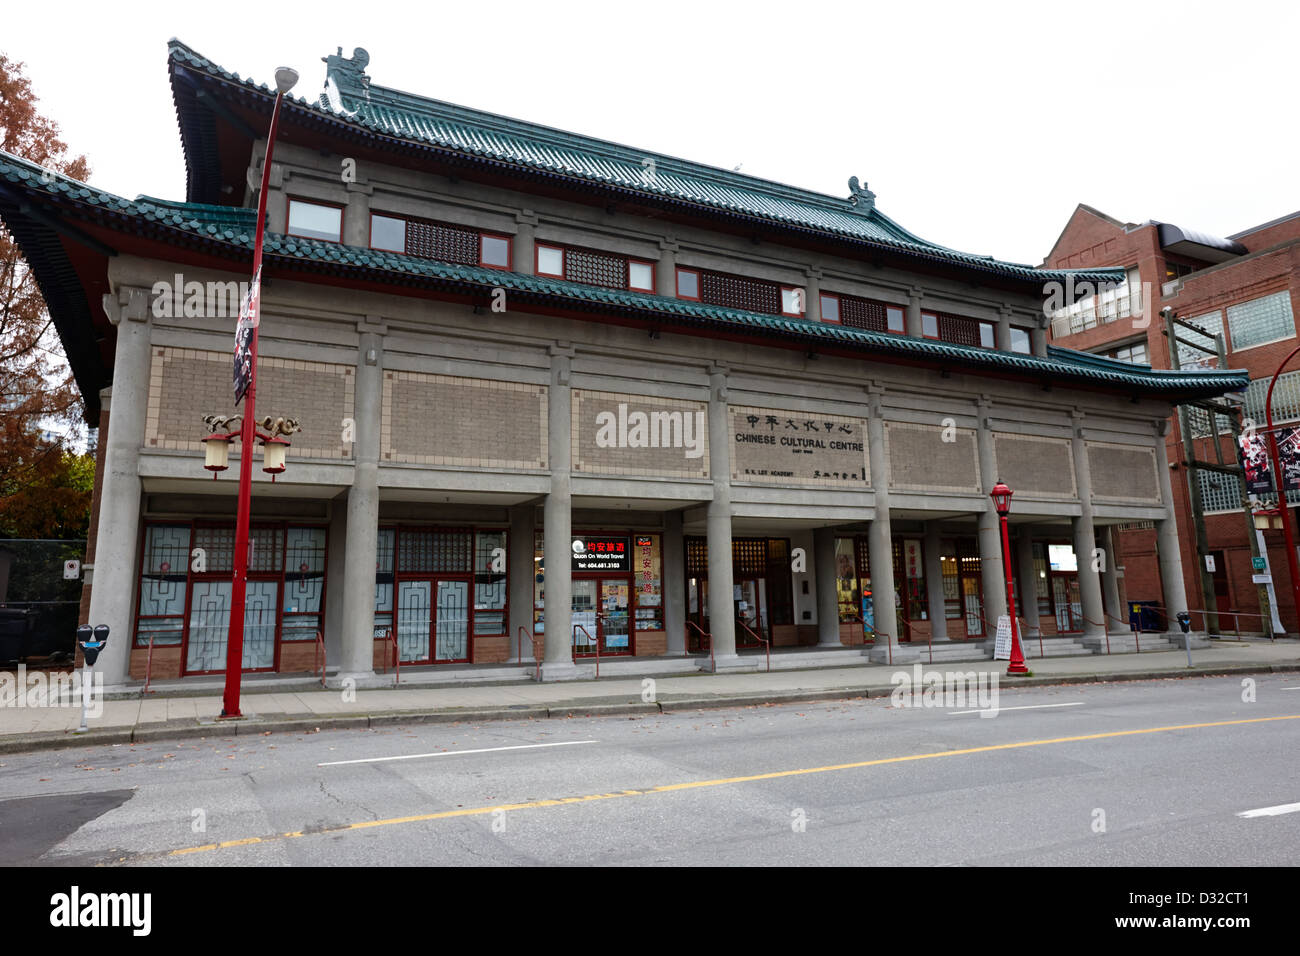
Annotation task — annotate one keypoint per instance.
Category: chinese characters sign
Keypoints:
(601, 553)
(782, 447)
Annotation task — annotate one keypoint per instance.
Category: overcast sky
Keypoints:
(978, 125)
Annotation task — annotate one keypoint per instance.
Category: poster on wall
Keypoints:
(1252, 451)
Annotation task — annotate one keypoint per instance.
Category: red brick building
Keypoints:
(1243, 287)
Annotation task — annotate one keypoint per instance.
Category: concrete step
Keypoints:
(941, 651)
(1053, 647)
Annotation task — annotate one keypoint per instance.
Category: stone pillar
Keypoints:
(1004, 328)
(1094, 624)
(336, 564)
(1173, 587)
(992, 570)
(356, 218)
(914, 313)
(521, 570)
(828, 605)
(524, 256)
(1038, 338)
(358, 652)
(813, 295)
(886, 648)
(673, 557)
(557, 525)
(722, 613)
(933, 546)
(1023, 543)
(666, 268)
(115, 574)
(1110, 580)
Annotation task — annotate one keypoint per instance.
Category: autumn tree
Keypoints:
(43, 491)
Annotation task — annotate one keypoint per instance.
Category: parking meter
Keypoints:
(1185, 622)
(92, 641)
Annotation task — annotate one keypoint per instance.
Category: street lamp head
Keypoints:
(285, 79)
(1001, 496)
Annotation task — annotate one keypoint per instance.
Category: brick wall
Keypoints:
(598, 449)
(919, 450)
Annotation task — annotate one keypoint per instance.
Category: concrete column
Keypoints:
(521, 570)
(1038, 339)
(358, 651)
(1173, 588)
(914, 313)
(813, 295)
(666, 268)
(886, 648)
(356, 218)
(1085, 538)
(335, 587)
(674, 583)
(1110, 579)
(557, 525)
(524, 257)
(1023, 543)
(933, 546)
(1004, 329)
(115, 574)
(828, 606)
(992, 571)
(722, 623)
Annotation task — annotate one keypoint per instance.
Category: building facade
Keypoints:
(1243, 288)
(558, 394)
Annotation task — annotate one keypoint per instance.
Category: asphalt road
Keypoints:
(857, 783)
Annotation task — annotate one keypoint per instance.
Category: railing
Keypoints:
(766, 642)
(579, 627)
(148, 667)
(708, 638)
(390, 637)
(523, 632)
(321, 656)
(1205, 614)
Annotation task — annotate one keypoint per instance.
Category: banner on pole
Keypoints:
(249, 309)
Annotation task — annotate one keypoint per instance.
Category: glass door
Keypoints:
(452, 624)
(210, 626)
(414, 620)
(973, 605)
(585, 632)
(615, 633)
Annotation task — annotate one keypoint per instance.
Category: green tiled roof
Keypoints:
(421, 120)
(234, 229)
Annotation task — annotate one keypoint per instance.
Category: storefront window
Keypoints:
(539, 583)
(490, 582)
(914, 580)
(647, 573)
(846, 581)
(162, 585)
(1041, 586)
(304, 584)
(384, 582)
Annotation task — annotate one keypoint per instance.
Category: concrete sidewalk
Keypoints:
(158, 717)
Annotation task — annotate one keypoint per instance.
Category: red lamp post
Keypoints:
(1279, 481)
(285, 78)
(1001, 496)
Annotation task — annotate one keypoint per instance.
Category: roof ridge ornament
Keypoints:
(863, 200)
(346, 76)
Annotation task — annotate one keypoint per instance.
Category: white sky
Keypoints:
(979, 126)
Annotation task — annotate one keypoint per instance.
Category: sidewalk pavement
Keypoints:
(159, 718)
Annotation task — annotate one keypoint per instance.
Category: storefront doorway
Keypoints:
(600, 616)
(433, 620)
(761, 589)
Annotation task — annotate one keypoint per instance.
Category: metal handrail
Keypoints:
(389, 636)
(766, 642)
(322, 656)
(579, 627)
(148, 668)
(523, 632)
(709, 637)
(1206, 614)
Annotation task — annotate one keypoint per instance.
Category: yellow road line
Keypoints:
(720, 782)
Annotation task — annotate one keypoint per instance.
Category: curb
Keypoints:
(300, 723)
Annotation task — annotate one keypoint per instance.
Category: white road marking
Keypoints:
(457, 753)
(1271, 811)
(1077, 703)
(1297, 687)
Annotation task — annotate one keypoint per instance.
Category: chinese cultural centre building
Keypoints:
(1244, 289)
(560, 395)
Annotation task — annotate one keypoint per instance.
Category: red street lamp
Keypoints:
(1279, 482)
(285, 78)
(1001, 496)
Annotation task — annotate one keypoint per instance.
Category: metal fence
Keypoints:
(32, 580)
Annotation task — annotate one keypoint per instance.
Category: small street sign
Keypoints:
(71, 570)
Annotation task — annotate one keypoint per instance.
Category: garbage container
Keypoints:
(1145, 616)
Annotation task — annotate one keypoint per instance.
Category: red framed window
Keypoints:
(549, 261)
(387, 233)
(1021, 342)
(688, 284)
(494, 251)
(895, 319)
(315, 220)
(640, 275)
(930, 325)
(792, 301)
(830, 305)
(988, 335)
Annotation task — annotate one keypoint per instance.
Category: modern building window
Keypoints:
(1020, 341)
(929, 325)
(640, 276)
(495, 251)
(387, 233)
(988, 335)
(1266, 319)
(550, 261)
(1188, 357)
(315, 220)
(830, 308)
(792, 301)
(688, 284)
(1136, 353)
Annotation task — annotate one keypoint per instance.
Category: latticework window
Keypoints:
(863, 314)
(960, 331)
(448, 551)
(430, 240)
(736, 292)
(749, 557)
(697, 558)
(595, 268)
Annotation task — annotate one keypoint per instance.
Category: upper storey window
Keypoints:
(861, 313)
(313, 220)
(739, 292)
(595, 268)
(433, 240)
(1020, 341)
